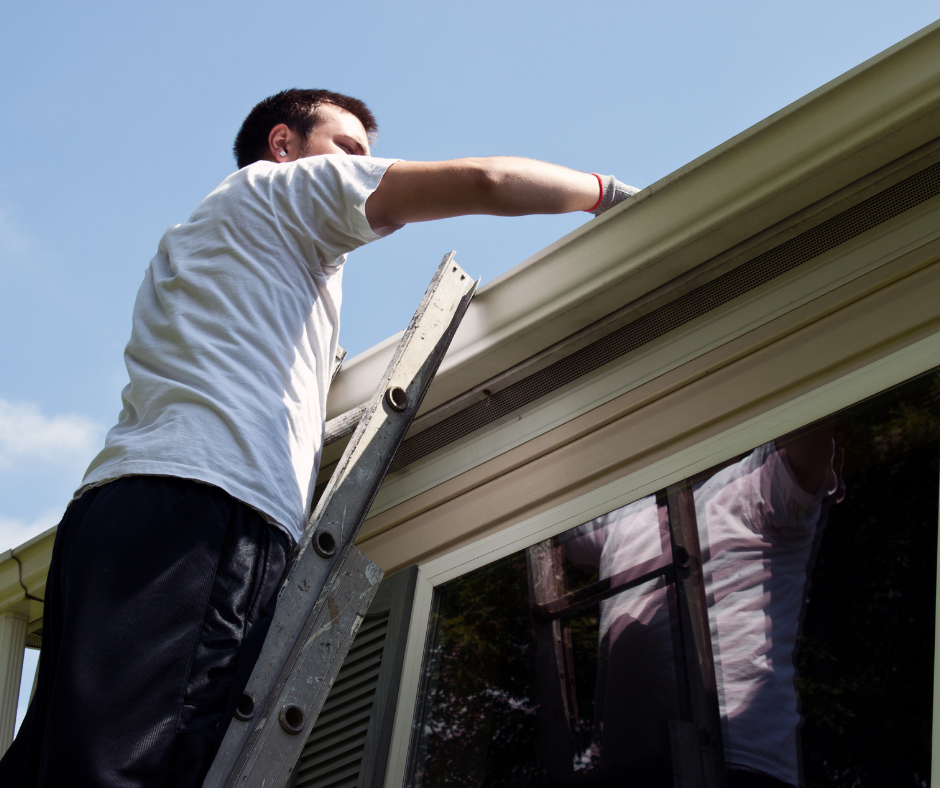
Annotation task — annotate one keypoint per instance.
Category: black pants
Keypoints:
(159, 596)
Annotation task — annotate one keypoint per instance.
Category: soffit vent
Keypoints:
(332, 756)
(858, 219)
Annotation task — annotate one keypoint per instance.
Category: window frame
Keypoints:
(850, 389)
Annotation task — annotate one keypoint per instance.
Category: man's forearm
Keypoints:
(500, 186)
(518, 187)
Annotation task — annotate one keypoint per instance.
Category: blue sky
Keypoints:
(116, 119)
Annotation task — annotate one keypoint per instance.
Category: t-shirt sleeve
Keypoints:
(780, 505)
(323, 200)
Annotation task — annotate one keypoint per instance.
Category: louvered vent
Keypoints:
(864, 216)
(332, 756)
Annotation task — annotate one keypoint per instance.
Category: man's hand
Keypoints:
(615, 192)
(416, 191)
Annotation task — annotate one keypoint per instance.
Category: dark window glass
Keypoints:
(769, 622)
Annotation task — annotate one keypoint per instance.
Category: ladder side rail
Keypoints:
(325, 550)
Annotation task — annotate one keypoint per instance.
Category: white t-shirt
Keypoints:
(760, 529)
(757, 528)
(234, 333)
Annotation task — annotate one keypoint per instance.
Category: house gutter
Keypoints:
(821, 143)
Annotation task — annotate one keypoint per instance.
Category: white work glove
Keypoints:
(615, 193)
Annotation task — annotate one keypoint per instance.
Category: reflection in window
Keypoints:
(810, 566)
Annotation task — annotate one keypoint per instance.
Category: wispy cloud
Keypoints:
(25, 259)
(62, 440)
(41, 462)
(12, 238)
(14, 532)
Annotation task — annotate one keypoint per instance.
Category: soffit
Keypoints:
(859, 122)
(872, 318)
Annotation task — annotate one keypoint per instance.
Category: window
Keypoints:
(771, 619)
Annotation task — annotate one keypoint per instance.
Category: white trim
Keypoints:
(823, 401)
(12, 647)
(831, 270)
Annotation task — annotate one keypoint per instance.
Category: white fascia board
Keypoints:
(26, 565)
(758, 307)
(863, 120)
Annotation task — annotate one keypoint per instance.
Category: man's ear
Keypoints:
(280, 141)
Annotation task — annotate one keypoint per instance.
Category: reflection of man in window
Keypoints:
(759, 520)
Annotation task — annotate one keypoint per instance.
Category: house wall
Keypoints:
(842, 328)
(835, 349)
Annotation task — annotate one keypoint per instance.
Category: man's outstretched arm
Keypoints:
(420, 191)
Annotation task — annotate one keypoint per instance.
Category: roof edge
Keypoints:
(824, 141)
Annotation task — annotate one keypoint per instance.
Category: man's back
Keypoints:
(234, 329)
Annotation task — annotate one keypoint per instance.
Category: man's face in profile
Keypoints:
(336, 131)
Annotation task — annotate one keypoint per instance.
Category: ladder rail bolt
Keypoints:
(396, 398)
(245, 709)
(291, 718)
(324, 543)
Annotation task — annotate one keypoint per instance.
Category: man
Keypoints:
(167, 564)
(759, 521)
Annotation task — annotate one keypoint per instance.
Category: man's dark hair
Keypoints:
(297, 109)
